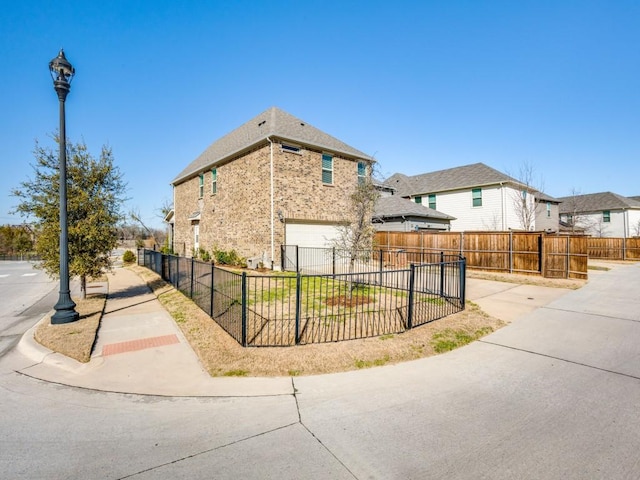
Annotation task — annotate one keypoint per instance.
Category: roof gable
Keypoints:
(273, 122)
(395, 206)
(467, 176)
(593, 202)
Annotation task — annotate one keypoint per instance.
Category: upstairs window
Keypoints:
(327, 169)
(432, 201)
(606, 216)
(548, 209)
(476, 197)
(418, 199)
(201, 186)
(362, 173)
(214, 181)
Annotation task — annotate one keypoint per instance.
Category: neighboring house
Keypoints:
(478, 196)
(396, 214)
(547, 212)
(603, 214)
(274, 180)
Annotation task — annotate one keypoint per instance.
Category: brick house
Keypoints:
(274, 180)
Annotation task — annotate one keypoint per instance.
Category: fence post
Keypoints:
(213, 269)
(244, 309)
(191, 286)
(510, 251)
(283, 262)
(297, 258)
(463, 281)
(177, 272)
(442, 274)
(412, 273)
(381, 261)
(333, 260)
(568, 254)
(169, 278)
(298, 305)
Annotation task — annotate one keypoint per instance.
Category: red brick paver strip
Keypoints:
(141, 344)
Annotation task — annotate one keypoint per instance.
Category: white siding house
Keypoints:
(479, 197)
(604, 214)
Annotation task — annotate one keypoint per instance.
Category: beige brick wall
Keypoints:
(238, 215)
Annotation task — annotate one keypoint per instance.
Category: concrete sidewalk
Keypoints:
(140, 349)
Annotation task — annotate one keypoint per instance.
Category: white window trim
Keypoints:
(326, 170)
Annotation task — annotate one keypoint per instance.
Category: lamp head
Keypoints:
(62, 73)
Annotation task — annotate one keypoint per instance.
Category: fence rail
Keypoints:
(294, 308)
(531, 253)
(614, 248)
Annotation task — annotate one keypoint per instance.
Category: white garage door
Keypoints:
(310, 235)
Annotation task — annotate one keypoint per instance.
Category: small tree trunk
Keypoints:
(83, 286)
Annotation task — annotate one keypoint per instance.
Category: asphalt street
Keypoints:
(26, 294)
(554, 395)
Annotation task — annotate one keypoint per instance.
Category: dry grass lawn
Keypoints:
(75, 340)
(223, 356)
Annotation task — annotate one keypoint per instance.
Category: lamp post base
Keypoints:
(65, 312)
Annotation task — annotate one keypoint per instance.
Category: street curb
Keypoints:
(31, 349)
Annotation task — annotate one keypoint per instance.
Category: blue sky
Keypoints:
(422, 86)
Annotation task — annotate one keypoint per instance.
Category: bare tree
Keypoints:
(576, 217)
(636, 229)
(356, 238)
(524, 203)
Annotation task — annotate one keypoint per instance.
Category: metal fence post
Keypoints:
(412, 274)
(283, 265)
(298, 305)
(191, 286)
(244, 309)
(442, 274)
(177, 272)
(297, 258)
(213, 268)
(381, 261)
(463, 281)
(333, 259)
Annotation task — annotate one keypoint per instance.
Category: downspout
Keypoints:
(271, 193)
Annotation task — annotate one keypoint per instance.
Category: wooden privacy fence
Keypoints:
(532, 253)
(614, 248)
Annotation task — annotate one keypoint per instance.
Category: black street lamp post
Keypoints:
(62, 73)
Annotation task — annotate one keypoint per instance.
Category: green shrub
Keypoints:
(129, 257)
(228, 258)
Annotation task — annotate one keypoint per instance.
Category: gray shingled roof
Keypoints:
(271, 123)
(395, 206)
(468, 176)
(543, 197)
(594, 202)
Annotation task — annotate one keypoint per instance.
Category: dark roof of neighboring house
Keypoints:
(273, 122)
(395, 206)
(543, 197)
(593, 202)
(468, 176)
(635, 197)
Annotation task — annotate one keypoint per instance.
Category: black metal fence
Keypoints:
(286, 308)
(333, 260)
